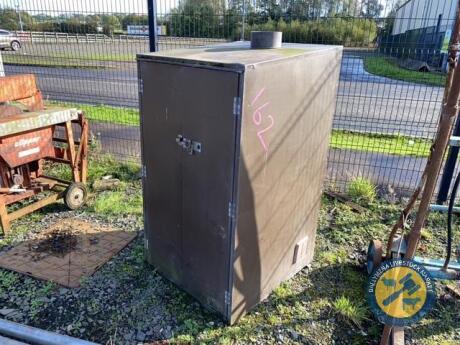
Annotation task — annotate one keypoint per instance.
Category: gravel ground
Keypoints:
(127, 302)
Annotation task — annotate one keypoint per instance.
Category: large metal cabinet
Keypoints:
(234, 148)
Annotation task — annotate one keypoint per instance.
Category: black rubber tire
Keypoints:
(15, 45)
(75, 195)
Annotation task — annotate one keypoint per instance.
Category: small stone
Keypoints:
(140, 336)
(294, 334)
(7, 311)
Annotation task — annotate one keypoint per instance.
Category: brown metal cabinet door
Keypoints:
(207, 181)
(196, 104)
(160, 122)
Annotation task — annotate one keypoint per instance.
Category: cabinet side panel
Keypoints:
(287, 119)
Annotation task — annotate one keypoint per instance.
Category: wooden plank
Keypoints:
(71, 150)
(346, 201)
(397, 336)
(385, 335)
(4, 218)
(36, 206)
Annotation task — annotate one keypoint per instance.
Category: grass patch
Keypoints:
(118, 202)
(323, 304)
(387, 67)
(381, 143)
(125, 199)
(49, 61)
(105, 113)
(99, 165)
(349, 311)
(361, 189)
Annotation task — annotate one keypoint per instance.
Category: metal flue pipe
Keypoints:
(37, 336)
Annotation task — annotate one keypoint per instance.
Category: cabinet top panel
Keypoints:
(235, 55)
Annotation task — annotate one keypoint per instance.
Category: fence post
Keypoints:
(153, 38)
(243, 20)
(2, 71)
(449, 167)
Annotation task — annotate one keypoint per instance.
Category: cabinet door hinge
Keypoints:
(141, 86)
(237, 106)
(232, 210)
(227, 298)
(143, 172)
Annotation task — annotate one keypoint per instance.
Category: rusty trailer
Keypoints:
(31, 135)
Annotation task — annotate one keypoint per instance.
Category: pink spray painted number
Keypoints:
(258, 117)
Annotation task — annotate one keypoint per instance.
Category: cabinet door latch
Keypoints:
(190, 146)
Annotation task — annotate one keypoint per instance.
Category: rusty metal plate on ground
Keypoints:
(67, 252)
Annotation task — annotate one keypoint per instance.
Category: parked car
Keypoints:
(10, 40)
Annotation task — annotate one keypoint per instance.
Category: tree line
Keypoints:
(74, 23)
(348, 22)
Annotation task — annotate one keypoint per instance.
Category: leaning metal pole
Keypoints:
(449, 109)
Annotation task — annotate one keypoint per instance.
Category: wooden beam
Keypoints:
(36, 205)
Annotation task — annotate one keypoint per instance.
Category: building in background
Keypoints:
(420, 29)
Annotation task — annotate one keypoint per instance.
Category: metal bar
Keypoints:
(152, 12)
(449, 167)
(454, 140)
(436, 263)
(38, 336)
(441, 274)
(2, 70)
(443, 208)
(6, 341)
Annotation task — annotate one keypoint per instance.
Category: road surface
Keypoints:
(365, 102)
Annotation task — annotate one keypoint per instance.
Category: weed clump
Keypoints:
(361, 189)
(349, 312)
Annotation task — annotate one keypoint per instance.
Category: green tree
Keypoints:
(197, 18)
(110, 23)
(93, 20)
(134, 19)
(9, 19)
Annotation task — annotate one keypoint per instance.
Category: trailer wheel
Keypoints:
(75, 195)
